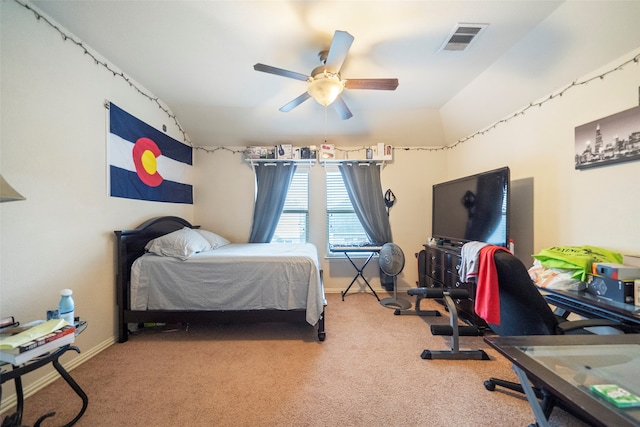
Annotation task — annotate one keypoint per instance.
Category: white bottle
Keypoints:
(66, 306)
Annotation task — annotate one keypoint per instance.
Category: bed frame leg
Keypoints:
(123, 331)
(322, 334)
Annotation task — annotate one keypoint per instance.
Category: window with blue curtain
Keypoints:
(294, 222)
(343, 225)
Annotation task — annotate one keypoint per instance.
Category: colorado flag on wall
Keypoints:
(146, 164)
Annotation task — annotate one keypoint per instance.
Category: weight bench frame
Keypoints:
(455, 330)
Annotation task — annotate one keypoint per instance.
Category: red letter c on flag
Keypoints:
(145, 152)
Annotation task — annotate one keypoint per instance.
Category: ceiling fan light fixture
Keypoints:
(325, 88)
(324, 84)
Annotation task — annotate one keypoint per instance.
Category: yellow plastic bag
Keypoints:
(578, 259)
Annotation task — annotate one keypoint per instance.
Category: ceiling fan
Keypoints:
(325, 82)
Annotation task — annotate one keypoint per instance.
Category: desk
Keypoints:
(591, 306)
(371, 250)
(566, 365)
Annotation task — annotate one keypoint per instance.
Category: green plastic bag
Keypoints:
(578, 259)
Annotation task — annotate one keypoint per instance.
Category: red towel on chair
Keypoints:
(487, 304)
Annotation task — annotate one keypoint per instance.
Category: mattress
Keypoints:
(250, 276)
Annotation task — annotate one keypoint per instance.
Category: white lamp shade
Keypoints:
(8, 193)
(325, 88)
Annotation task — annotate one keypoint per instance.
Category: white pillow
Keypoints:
(180, 244)
(214, 240)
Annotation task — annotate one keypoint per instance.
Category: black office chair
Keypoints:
(524, 311)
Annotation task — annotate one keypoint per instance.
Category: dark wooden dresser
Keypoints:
(442, 266)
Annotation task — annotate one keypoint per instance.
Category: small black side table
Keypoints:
(17, 372)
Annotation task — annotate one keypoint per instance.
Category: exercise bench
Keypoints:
(453, 330)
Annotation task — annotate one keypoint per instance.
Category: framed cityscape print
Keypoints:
(609, 140)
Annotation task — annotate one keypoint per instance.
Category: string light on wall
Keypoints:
(523, 111)
(97, 61)
(551, 97)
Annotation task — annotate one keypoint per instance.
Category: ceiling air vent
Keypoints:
(462, 36)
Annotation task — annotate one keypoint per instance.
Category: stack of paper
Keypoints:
(34, 341)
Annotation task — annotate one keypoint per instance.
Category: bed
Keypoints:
(183, 281)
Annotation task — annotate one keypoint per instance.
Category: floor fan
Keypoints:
(391, 260)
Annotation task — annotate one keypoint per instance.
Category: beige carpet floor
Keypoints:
(368, 372)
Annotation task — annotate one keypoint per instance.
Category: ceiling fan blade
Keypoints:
(280, 72)
(338, 51)
(293, 104)
(341, 108)
(376, 84)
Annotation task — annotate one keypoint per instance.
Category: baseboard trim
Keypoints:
(32, 388)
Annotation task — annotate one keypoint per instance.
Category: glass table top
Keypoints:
(586, 366)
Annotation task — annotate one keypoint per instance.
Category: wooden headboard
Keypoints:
(130, 246)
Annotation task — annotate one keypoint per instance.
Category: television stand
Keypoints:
(441, 271)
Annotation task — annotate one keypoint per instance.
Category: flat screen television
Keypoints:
(473, 208)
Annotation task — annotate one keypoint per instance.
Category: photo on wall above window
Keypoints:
(609, 140)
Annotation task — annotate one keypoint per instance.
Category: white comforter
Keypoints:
(251, 276)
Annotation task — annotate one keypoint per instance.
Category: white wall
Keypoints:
(225, 192)
(53, 129)
(574, 32)
(53, 133)
(597, 206)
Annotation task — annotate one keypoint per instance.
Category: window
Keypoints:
(294, 221)
(343, 225)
